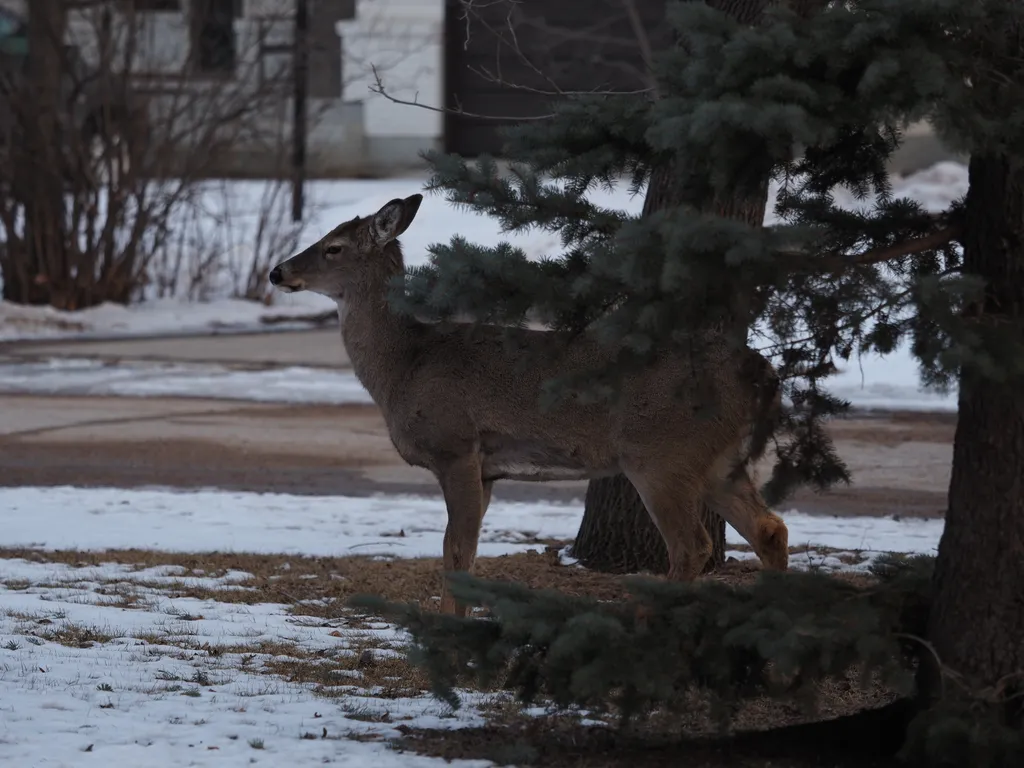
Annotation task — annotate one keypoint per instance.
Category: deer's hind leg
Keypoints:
(466, 495)
(672, 499)
(733, 495)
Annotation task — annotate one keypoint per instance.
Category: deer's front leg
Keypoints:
(466, 497)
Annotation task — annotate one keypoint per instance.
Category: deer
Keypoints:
(462, 400)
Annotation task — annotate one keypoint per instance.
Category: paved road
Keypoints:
(900, 461)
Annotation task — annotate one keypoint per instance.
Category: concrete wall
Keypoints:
(404, 41)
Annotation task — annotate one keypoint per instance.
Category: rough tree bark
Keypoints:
(977, 622)
(616, 534)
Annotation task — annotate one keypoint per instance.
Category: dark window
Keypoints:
(155, 5)
(13, 37)
(212, 26)
(325, 60)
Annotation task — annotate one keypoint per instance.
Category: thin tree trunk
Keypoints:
(39, 181)
(977, 622)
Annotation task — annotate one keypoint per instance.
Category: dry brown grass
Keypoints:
(320, 586)
(367, 670)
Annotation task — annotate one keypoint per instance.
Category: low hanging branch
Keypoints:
(936, 239)
(837, 262)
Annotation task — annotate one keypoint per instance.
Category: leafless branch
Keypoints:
(643, 40)
(130, 165)
(378, 88)
(507, 39)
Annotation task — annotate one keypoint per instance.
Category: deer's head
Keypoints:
(351, 254)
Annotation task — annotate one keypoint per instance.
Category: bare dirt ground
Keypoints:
(900, 461)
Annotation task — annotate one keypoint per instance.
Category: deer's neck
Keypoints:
(377, 340)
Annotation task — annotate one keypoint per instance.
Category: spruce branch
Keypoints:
(837, 262)
(781, 635)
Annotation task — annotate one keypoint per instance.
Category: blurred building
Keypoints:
(508, 61)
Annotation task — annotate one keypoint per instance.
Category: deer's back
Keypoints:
(480, 389)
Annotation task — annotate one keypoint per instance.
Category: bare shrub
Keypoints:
(105, 196)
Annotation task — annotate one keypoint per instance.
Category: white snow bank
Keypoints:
(398, 526)
(337, 201)
(888, 383)
(151, 318)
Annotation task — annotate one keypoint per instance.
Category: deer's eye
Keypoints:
(332, 250)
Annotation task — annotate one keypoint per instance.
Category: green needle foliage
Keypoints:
(780, 636)
(818, 103)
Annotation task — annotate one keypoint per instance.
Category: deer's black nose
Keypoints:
(275, 276)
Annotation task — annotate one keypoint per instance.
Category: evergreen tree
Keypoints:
(616, 534)
(816, 101)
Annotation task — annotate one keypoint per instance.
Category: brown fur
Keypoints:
(463, 402)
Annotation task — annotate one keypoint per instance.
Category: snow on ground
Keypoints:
(87, 680)
(151, 318)
(873, 382)
(83, 376)
(889, 383)
(396, 526)
(106, 665)
(333, 202)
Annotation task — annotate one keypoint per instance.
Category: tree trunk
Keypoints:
(977, 622)
(616, 534)
(44, 275)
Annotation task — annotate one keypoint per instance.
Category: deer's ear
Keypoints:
(394, 218)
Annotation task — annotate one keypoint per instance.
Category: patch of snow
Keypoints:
(395, 526)
(890, 383)
(150, 318)
(128, 378)
(168, 691)
(116, 701)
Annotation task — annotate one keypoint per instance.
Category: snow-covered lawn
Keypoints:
(152, 318)
(82, 376)
(396, 526)
(98, 666)
(120, 664)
